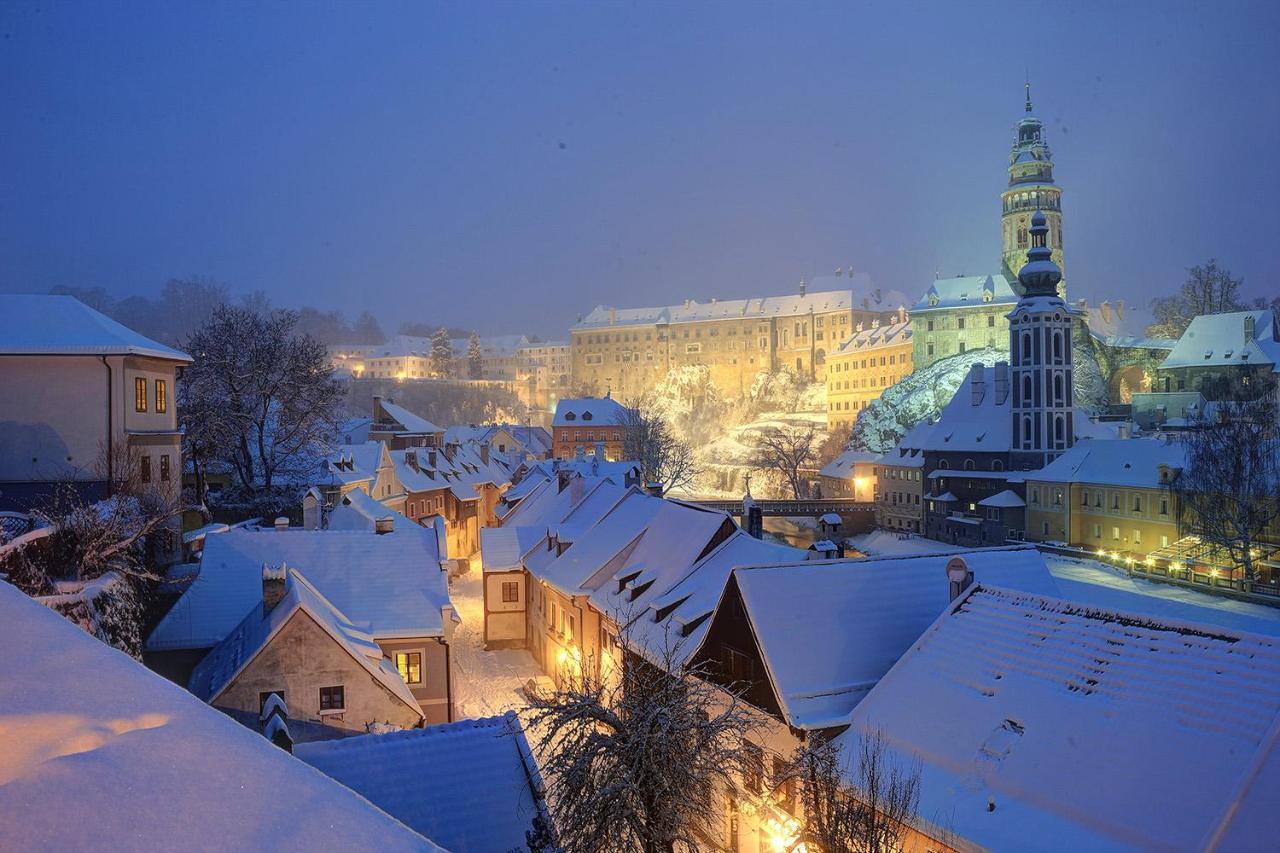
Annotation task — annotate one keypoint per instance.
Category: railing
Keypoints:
(809, 506)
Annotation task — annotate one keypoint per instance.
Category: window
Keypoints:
(737, 666)
(753, 767)
(162, 396)
(510, 591)
(1044, 528)
(1137, 536)
(1164, 540)
(1084, 497)
(139, 394)
(1097, 531)
(960, 323)
(1164, 506)
(144, 469)
(332, 698)
(410, 666)
(991, 321)
(164, 467)
(1115, 533)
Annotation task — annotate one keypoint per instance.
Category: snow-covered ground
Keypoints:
(1094, 583)
(486, 682)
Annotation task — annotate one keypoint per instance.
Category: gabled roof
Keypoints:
(984, 427)
(966, 292)
(829, 630)
(76, 708)
(63, 325)
(473, 785)
(842, 466)
(1039, 721)
(390, 584)
(1132, 462)
(1003, 500)
(1216, 340)
(589, 411)
(415, 424)
(888, 335)
(255, 632)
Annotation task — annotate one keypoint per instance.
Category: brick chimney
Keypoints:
(959, 577)
(484, 453)
(653, 489)
(386, 524)
(1249, 330)
(1002, 382)
(273, 586)
(977, 383)
(281, 523)
(600, 450)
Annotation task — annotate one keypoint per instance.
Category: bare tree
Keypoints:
(639, 760)
(864, 808)
(270, 394)
(648, 439)
(787, 452)
(1229, 491)
(1208, 289)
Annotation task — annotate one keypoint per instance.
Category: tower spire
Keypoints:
(1028, 87)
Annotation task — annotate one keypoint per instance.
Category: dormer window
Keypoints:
(933, 299)
(586, 416)
(986, 296)
(570, 416)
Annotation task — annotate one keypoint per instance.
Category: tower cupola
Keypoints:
(1031, 188)
(1039, 276)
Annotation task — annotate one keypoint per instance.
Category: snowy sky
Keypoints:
(431, 160)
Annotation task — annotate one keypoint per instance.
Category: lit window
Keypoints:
(162, 396)
(410, 666)
(139, 395)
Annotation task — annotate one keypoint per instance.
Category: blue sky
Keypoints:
(510, 165)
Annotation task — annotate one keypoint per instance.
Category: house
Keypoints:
(959, 314)
(472, 785)
(1224, 356)
(400, 428)
(589, 424)
(160, 768)
(365, 467)
(1041, 724)
(390, 584)
(295, 644)
(899, 486)
(86, 401)
(874, 358)
(852, 474)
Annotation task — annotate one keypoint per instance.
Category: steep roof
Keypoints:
(890, 334)
(389, 584)
(589, 411)
(229, 658)
(1132, 462)
(829, 630)
(966, 292)
(1217, 340)
(76, 708)
(63, 325)
(842, 465)
(1043, 722)
(978, 417)
(411, 422)
(473, 784)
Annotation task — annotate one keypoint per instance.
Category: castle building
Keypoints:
(863, 367)
(1031, 188)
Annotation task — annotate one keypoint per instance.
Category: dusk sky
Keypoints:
(507, 166)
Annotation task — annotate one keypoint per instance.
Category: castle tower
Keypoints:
(1031, 188)
(1043, 408)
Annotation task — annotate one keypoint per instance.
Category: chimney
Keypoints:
(1248, 327)
(484, 453)
(978, 383)
(281, 523)
(802, 287)
(386, 524)
(431, 457)
(1002, 382)
(1122, 430)
(312, 509)
(273, 582)
(599, 450)
(377, 408)
(1105, 308)
(613, 316)
(411, 459)
(959, 576)
(653, 489)
(562, 478)
(1119, 309)
(580, 455)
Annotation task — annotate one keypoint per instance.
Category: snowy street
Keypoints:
(486, 682)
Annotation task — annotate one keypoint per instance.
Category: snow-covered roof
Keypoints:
(1043, 723)
(1003, 500)
(502, 547)
(1132, 462)
(522, 489)
(389, 584)
(472, 785)
(63, 325)
(1121, 325)
(228, 659)
(494, 346)
(415, 424)
(589, 411)
(829, 630)
(361, 511)
(966, 292)
(817, 301)
(1217, 340)
(842, 466)
(158, 767)
(890, 334)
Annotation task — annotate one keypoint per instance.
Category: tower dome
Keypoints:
(1031, 188)
(1039, 276)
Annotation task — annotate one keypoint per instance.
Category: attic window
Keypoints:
(933, 299)
(586, 416)
(1208, 353)
(986, 296)
(570, 416)
(691, 626)
(626, 579)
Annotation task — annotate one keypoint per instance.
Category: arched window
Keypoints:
(1057, 346)
(997, 465)
(1057, 391)
(1026, 390)
(1059, 427)
(969, 466)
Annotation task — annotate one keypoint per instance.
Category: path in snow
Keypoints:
(486, 682)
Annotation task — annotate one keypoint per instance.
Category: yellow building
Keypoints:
(1111, 494)
(872, 359)
(627, 351)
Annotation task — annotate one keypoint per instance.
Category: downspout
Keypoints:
(110, 425)
(448, 678)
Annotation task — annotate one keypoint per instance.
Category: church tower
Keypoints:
(1031, 188)
(1043, 407)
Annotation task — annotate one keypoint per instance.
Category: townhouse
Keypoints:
(862, 368)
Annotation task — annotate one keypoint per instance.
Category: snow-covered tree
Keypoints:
(865, 808)
(648, 439)
(787, 452)
(640, 760)
(1229, 491)
(441, 354)
(270, 394)
(475, 357)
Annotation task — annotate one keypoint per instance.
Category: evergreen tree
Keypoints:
(441, 354)
(475, 358)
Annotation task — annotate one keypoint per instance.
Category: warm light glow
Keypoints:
(1149, 561)
(782, 831)
(400, 376)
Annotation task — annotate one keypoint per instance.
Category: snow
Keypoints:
(1042, 725)
(829, 630)
(389, 583)
(63, 325)
(101, 754)
(966, 292)
(228, 659)
(843, 465)
(1006, 498)
(890, 334)
(470, 785)
(1214, 340)
(1133, 462)
(589, 411)
(412, 423)
(725, 309)
(485, 682)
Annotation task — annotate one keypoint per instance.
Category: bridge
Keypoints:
(811, 507)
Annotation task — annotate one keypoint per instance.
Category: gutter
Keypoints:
(110, 425)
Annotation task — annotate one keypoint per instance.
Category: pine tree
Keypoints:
(475, 358)
(441, 354)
